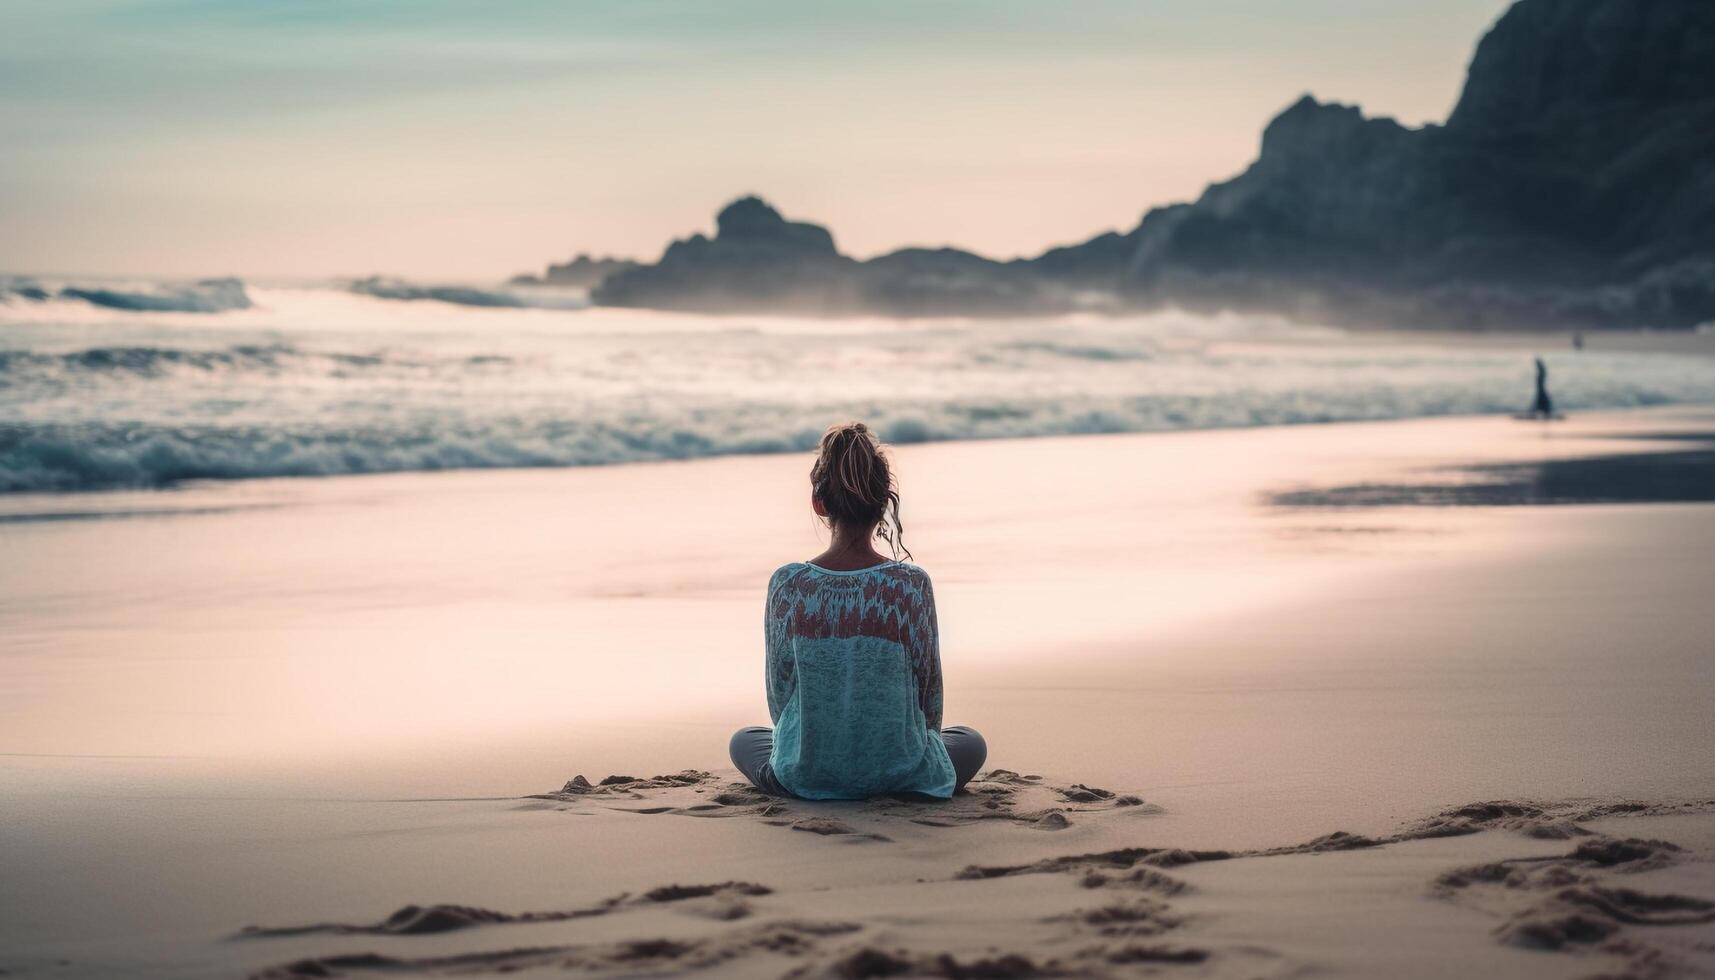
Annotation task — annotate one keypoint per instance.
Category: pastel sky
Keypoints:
(471, 140)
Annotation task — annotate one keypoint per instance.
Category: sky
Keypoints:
(467, 141)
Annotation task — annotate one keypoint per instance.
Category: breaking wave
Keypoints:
(544, 298)
(20, 367)
(206, 296)
(319, 381)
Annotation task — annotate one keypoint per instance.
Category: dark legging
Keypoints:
(751, 747)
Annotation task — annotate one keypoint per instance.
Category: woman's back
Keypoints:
(854, 682)
(854, 660)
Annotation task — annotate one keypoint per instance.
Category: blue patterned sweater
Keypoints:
(854, 682)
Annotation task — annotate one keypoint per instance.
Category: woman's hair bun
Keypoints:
(854, 482)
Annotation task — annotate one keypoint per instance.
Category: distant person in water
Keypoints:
(853, 660)
(1543, 407)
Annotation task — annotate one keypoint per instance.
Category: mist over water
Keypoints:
(321, 381)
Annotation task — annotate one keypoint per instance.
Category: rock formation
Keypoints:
(583, 272)
(1573, 185)
(758, 261)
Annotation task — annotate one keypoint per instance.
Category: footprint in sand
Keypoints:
(1574, 902)
(827, 827)
(1551, 821)
(1585, 899)
(646, 957)
(1139, 917)
(417, 920)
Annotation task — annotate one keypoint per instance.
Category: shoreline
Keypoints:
(19, 507)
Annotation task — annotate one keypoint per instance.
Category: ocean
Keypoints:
(314, 380)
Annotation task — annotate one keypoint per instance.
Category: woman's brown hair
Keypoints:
(852, 479)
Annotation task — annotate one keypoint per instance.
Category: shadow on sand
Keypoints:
(1681, 476)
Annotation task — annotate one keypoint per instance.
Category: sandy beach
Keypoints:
(452, 458)
(1388, 698)
(414, 419)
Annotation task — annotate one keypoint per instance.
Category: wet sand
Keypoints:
(314, 704)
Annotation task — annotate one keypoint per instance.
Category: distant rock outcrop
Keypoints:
(757, 260)
(583, 272)
(760, 262)
(1573, 185)
(952, 282)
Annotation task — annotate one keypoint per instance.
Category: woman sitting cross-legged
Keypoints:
(853, 661)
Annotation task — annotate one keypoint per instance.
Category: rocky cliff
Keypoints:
(1573, 185)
